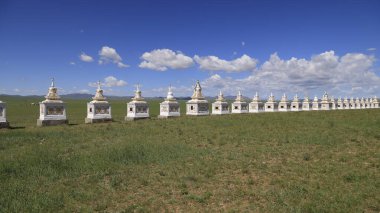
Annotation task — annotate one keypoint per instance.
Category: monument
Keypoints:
(169, 108)
(3, 115)
(220, 106)
(284, 105)
(270, 105)
(357, 103)
(316, 103)
(52, 109)
(333, 103)
(256, 105)
(375, 102)
(325, 102)
(239, 105)
(137, 108)
(296, 105)
(352, 103)
(306, 105)
(198, 105)
(367, 103)
(98, 110)
(339, 103)
(346, 103)
(362, 103)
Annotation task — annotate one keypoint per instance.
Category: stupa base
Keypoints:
(97, 120)
(4, 125)
(134, 118)
(167, 116)
(51, 122)
(222, 113)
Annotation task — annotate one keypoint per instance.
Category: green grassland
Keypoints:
(318, 161)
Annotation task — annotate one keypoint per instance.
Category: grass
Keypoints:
(324, 161)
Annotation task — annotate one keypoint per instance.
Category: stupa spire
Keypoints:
(256, 97)
(197, 95)
(220, 96)
(99, 94)
(138, 96)
(170, 96)
(239, 97)
(52, 94)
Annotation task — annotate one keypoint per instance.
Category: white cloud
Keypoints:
(163, 59)
(109, 81)
(351, 74)
(72, 63)
(86, 58)
(109, 54)
(213, 63)
(371, 49)
(243, 43)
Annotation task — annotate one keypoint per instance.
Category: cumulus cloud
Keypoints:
(109, 81)
(109, 55)
(163, 59)
(213, 63)
(350, 74)
(86, 58)
(371, 49)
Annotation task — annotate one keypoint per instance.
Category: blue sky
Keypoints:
(303, 47)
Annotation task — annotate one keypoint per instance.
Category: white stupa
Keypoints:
(357, 103)
(271, 105)
(98, 110)
(375, 102)
(198, 105)
(256, 105)
(3, 115)
(316, 104)
(239, 105)
(333, 103)
(339, 103)
(325, 102)
(352, 103)
(362, 103)
(283, 105)
(52, 109)
(296, 105)
(367, 103)
(306, 105)
(169, 108)
(137, 108)
(220, 106)
(346, 103)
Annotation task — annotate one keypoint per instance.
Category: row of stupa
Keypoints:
(53, 109)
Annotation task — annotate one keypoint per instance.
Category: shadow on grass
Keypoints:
(16, 127)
